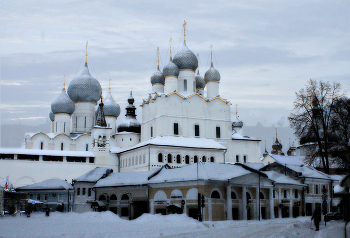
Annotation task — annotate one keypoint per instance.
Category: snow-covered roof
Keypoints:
(289, 160)
(46, 152)
(256, 166)
(48, 184)
(236, 136)
(94, 175)
(308, 171)
(206, 171)
(124, 179)
(176, 141)
(337, 177)
(281, 178)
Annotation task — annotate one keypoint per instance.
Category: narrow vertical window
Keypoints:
(195, 159)
(85, 123)
(204, 159)
(56, 126)
(185, 85)
(245, 159)
(84, 189)
(160, 158)
(218, 132)
(212, 159)
(151, 131)
(237, 158)
(178, 159)
(89, 192)
(176, 129)
(41, 145)
(87, 147)
(61, 146)
(64, 127)
(316, 189)
(196, 130)
(187, 159)
(170, 159)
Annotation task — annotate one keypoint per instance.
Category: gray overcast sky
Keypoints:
(264, 50)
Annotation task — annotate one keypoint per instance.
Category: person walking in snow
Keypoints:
(316, 216)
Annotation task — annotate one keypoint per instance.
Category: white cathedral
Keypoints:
(184, 121)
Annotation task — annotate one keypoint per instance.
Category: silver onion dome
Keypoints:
(200, 82)
(237, 123)
(212, 74)
(157, 77)
(51, 116)
(62, 104)
(84, 88)
(170, 69)
(110, 108)
(186, 59)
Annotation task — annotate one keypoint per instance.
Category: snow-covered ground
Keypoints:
(107, 224)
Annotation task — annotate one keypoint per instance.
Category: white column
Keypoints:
(152, 206)
(290, 202)
(244, 202)
(229, 203)
(279, 202)
(257, 206)
(272, 214)
(210, 212)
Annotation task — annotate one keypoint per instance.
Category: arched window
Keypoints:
(245, 159)
(178, 159)
(136, 160)
(170, 159)
(195, 159)
(151, 131)
(102, 198)
(41, 145)
(113, 197)
(233, 195)
(185, 85)
(140, 159)
(61, 146)
(125, 197)
(132, 161)
(204, 159)
(218, 135)
(237, 158)
(160, 158)
(144, 159)
(215, 194)
(212, 159)
(187, 159)
(261, 195)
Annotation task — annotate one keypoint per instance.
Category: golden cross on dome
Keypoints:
(184, 25)
(236, 110)
(86, 54)
(109, 85)
(170, 41)
(211, 52)
(64, 82)
(158, 56)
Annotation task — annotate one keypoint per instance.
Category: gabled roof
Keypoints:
(94, 175)
(289, 160)
(50, 184)
(176, 141)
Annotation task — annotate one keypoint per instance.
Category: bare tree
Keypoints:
(312, 115)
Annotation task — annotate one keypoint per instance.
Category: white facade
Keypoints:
(180, 112)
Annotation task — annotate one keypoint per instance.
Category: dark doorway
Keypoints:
(193, 212)
(113, 209)
(235, 213)
(249, 215)
(285, 212)
(263, 212)
(295, 212)
(275, 210)
(308, 209)
(140, 207)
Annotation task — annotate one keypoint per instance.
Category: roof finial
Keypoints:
(109, 85)
(184, 25)
(170, 41)
(86, 54)
(131, 91)
(158, 57)
(236, 111)
(64, 82)
(211, 54)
